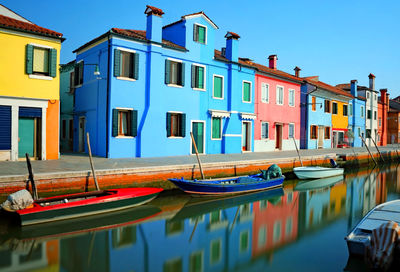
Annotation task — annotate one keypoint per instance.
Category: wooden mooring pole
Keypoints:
(362, 138)
(34, 190)
(197, 155)
(377, 149)
(91, 162)
(298, 152)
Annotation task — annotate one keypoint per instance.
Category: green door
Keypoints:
(26, 136)
(198, 135)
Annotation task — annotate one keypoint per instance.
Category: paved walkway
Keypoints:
(69, 163)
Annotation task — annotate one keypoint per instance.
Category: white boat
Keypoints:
(314, 172)
(360, 237)
(310, 185)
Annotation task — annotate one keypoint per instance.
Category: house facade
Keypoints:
(277, 105)
(158, 86)
(340, 121)
(393, 132)
(383, 109)
(66, 106)
(29, 90)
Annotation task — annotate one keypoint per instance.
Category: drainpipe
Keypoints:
(108, 97)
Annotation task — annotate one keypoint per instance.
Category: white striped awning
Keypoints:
(249, 116)
(219, 113)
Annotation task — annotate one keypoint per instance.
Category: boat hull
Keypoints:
(118, 199)
(314, 172)
(226, 186)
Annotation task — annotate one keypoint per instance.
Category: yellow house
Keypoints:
(29, 88)
(340, 122)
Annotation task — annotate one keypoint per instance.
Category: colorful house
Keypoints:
(277, 105)
(29, 89)
(340, 121)
(317, 123)
(356, 114)
(393, 133)
(383, 108)
(66, 106)
(157, 86)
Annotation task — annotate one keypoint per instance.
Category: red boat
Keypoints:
(84, 204)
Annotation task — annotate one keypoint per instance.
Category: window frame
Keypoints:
(375, 114)
(79, 73)
(313, 137)
(180, 114)
(265, 98)
(294, 97)
(277, 95)
(204, 78)
(132, 52)
(262, 123)
(327, 106)
(222, 87)
(369, 114)
(294, 131)
(313, 103)
(250, 96)
(128, 124)
(38, 75)
(362, 111)
(195, 27)
(220, 128)
(327, 136)
(333, 107)
(179, 71)
(345, 112)
(350, 109)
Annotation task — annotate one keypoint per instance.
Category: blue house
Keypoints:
(157, 86)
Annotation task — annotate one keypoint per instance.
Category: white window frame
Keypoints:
(294, 99)
(128, 51)
(220, 128)
(265, 96)
(205, 40)
(277, 95)
(171, 84)
(223, 82)
(262, 130)
(204, 78)
(294, 130)
(251, 98)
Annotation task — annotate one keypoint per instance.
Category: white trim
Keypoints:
(251, 97)
(204, 136)
(267, 85)
(248, 116)
(41, 45)
(176, 60)
(277, 96)
(223, 82)
(261, 128)
(204, 77)
(231, 135)
(34, 76)
(205, 42)
(204, 17)
(174, 85)
(294, 97)
(121, 108)
(23, 34)
(219, 113)
(124, 137)
(126, 78)
(181, 112)
(220, 128)
(249, 137)
(126, 50)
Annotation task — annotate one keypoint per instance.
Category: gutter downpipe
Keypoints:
(108, 97)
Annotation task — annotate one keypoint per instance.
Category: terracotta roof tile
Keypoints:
(328, 87)
(153, 10)
(232, 34)
(11, 23)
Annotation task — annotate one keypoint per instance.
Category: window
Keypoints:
(313, 132)
(124, 122)
(41, 61)
(78, 74)
(174, 265)
(72, 82)
(375, 96)
(327, 106)
(289, 226)
(174, 227)
(345, 113)
(244, 241)
(369, 114)
(246, 91)
(334, 108)
(362, 112)
(264, 130)
(374, 115)
(279, 95)
(123, 236)
(327, 135)
(291, 131)
(291, 97)
(174, 73)
(262, 236)
(215, 251)
(215, 217)
(199, 33)
(277, 231)
(264, 93)
(367, 95)
(350, 109)
(126, 64)
(313, 103)
(216, 123)
(368, 133)
(196, 262)
(380, 121)
(176, 124)
(198, 77)
(218, 87)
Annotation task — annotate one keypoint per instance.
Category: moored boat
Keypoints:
(314, 172)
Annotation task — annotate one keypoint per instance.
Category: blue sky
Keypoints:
(338, 40)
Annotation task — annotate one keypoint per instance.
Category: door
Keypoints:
(278, 137)
(26, 137)
(320, 137)
(198, 135)
(246, 126)
(81, 134)
(334, 139)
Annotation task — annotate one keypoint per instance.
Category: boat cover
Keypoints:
(384, 240)
(18, 201)
(274, 171)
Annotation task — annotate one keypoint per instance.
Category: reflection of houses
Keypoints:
(275, 224)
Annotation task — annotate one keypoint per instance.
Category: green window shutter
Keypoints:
(202, 34)
(134, 123)
(182, 74)
(115, 123)
(216, 128)
(218, 87)
(29, 59)
(168, 124)
(167, 71)
(195, 33)
(246, 91)
(193, 76)
(53, 62)
(117, 62)
(136, 66)
(183, 125)
(200, 76)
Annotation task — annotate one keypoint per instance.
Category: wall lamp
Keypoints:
(96, 68)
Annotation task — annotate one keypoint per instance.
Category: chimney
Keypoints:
(154, 24)
(383, 95)
(371, 81)
(223, 51)
(353, 87)
(272, 61)
(232, 46)
(297, 71)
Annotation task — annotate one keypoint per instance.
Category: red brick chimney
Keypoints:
(272, 61)
(297, 71)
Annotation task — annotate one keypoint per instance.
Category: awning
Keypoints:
(219, 113)
(250, 116)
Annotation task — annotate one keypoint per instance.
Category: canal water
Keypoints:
(298, 228)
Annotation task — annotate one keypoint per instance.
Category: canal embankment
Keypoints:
(72, 172)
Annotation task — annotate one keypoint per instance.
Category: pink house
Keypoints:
(277, 106)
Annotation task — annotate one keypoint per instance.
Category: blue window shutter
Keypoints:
(29, 59)
(5, 127)
(193, 76)
(53, 62)
(168, 124)
(183, 125)
(167, 71)
(136, 66)
(134, 123)
(114, 122)
(117, 62)
(182, 74)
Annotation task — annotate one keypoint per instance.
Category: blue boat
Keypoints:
(233, 185)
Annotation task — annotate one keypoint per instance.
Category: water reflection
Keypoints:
(177, 232)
